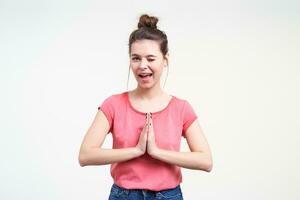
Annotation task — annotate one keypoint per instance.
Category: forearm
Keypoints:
(190, 160)
(99, 156)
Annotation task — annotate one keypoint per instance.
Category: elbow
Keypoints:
(205, 164)
(208, 165)
(82, 160)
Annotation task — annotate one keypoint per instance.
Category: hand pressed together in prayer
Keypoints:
(147, 137)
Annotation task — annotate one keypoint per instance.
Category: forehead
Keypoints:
(145, 47)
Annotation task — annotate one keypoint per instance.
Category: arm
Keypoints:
(200, 156)
(91, 152)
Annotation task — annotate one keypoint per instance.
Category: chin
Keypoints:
(146, 86)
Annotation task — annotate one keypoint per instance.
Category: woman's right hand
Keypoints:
(142, 143)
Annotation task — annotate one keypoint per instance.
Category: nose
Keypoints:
(143, 64)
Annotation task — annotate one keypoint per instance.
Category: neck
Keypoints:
(148, 94)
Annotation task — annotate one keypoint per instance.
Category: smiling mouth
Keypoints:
(145, 75)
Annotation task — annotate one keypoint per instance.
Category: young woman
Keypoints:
(147, 125)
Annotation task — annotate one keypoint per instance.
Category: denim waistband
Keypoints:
(118, 192)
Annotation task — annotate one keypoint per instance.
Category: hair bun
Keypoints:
(148, 21)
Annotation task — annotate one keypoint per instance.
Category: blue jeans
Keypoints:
(119, 193)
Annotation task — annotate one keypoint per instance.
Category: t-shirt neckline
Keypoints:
(138, 111)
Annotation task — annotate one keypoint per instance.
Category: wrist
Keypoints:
(138, 152)
(154, 152)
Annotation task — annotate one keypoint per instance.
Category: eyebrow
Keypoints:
(150, 55)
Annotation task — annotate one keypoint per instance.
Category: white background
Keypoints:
(236, 62)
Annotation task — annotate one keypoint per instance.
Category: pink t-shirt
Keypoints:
(126, 124)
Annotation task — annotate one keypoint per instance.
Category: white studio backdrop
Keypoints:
(236, 62)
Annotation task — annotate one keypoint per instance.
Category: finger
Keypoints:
(147, 120)
(150, 119)
(149, 116)
(145, 128)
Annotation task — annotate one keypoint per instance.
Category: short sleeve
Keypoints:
(189, 116)
(107, 108)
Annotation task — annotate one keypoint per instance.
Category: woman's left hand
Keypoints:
(151, 145)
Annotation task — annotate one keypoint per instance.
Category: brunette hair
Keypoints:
(147, 29)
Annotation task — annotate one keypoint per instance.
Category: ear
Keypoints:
(166, 59)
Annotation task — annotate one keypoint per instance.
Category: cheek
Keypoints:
(133, 68)
(157, 70)
(156, 66)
